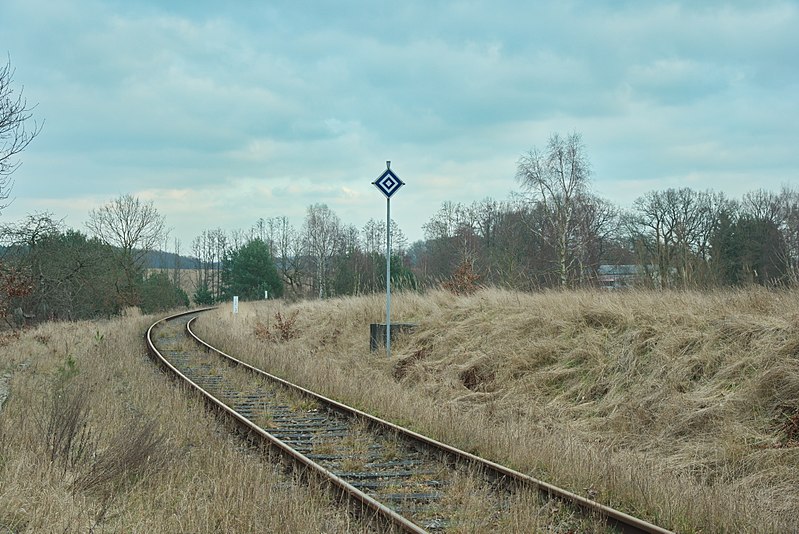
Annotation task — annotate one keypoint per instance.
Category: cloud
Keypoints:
(250, 109)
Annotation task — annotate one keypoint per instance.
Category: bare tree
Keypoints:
(258, 230)
(674, 229)
(23, 275)
(598, 222)
(716, 208)
(203, 251)
(30, 230)
(198, 251)
(267, 231)
(219, 242)
(287, 252)
(451, 239)
(687, 209)
(652, 230)
(177, 266)
(790, 202)
(514, 255)
(15, 115)
(485, 215)
(134, 228)
(557, 178)
(129, 224)
(374, 236)
(399, 243)
(322, 235)
(763, 205)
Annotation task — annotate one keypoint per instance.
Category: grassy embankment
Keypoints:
(682, 408)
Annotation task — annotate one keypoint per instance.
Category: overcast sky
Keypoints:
(224, 112)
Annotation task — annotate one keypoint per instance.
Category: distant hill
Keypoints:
(155, 259)
(158, 259)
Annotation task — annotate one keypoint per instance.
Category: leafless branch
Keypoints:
(16, 129)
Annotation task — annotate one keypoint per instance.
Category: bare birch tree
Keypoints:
(374, 236)
(322, 235)
(557, 178)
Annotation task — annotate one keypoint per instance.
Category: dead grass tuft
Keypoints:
(6, 338)
(130, 454)
(64, 425)
(478, 376)
(132, 312)
(789, 430)
(403, 366)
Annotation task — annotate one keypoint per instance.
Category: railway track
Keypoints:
(406, 481)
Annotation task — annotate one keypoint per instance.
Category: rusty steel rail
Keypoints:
(382, 512)
(510, 478)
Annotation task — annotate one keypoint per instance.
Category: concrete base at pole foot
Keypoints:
(377, 333)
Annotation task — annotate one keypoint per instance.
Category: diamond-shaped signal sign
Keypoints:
(388, 183)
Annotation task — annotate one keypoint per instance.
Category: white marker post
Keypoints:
(388, 183)
(235, 305)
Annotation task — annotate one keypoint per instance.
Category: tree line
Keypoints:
(322, 258)
(554, 232)
(50, 272)
(674, 238)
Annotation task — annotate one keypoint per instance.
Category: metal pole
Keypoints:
(388, 272)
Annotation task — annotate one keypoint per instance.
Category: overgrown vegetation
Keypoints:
(679, 407)
(464, 280)
(675, 406)
(94, 438)
(284, 328)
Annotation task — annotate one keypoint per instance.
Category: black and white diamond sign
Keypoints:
(388, 183)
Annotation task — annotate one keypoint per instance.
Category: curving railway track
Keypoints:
(406, 481)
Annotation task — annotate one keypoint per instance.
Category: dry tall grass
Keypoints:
(94, 438)
(678, 407)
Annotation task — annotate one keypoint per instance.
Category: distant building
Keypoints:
(620, 276)
(626, 276)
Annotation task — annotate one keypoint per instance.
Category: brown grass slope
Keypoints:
(679, 407)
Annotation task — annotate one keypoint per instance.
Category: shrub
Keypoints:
(285, 329)
(158, 293)
(463, 281)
